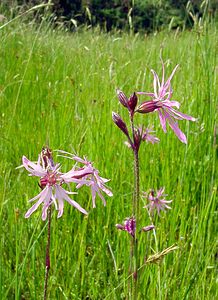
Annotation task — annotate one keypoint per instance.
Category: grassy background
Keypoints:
(59, 89)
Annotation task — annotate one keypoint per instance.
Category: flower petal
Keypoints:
(183, 116)
(155, 83)
(45, 195)
(62, 194)
(167, 84)
(60, 207)
(174, 125)
(162, 118)
(34, 169)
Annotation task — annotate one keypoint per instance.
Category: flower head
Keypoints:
(161, 102)
(89, 176)
(157, 201)
(129, 226)
(51, 181)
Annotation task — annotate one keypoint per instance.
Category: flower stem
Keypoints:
(135, 212)
(47, 259)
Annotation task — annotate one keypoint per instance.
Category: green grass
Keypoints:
(59, 88)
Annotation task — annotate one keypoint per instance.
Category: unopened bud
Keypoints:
(120, 123)
(148, 228)
(119, 226)
(147, 107)
(132, 102)
(122, 98)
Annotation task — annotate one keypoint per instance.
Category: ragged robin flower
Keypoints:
(51, 181)
(157, 201)
(161, 102)
(87, 175)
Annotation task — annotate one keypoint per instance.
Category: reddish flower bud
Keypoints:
(132, 102)
(119, 226)
(120, 123)
(147, 107)
(148, 228)
(122, 98)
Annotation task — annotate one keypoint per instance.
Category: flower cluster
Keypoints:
(160, 101)
(52, 180)
(89, 176)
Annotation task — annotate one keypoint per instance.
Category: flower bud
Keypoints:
(132, 102)
(120, 123)
(147, 107)
(122, 98)
(148, 228)
(119, 226)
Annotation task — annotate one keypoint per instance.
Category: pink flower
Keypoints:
(89, 176)
(161, 101)
(157, 202)
(129, 226)
(147, 136)
(51, 181)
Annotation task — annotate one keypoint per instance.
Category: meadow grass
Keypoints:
(59, 89)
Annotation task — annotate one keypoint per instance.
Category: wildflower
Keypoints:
(161, 101)
(51, 181)
(89, 176)
(147, 136)
(157, 202)
(129, 226)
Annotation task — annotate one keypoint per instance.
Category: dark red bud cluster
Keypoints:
(130, 103)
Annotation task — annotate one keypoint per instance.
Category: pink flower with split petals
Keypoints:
(147, 136)
(161, 102)
(51, 181)
(157, 201)
(87, 175)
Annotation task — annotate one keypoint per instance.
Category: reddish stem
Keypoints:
(47, 259)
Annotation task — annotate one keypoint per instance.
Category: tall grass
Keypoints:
(59, 89)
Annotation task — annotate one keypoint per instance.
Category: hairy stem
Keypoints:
(47, 259)
(135, 212)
